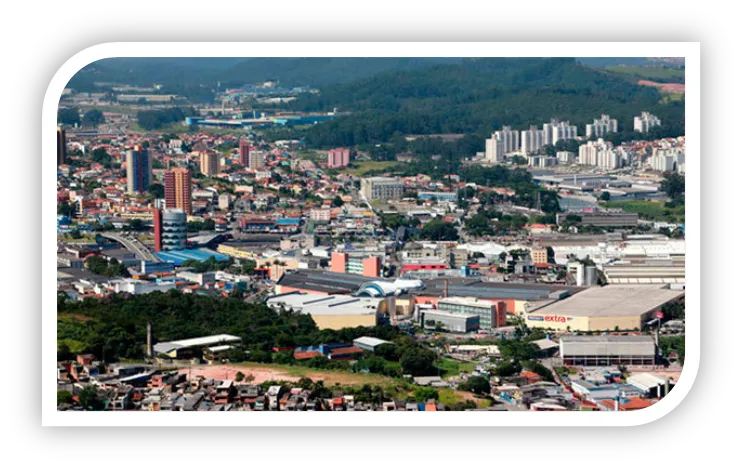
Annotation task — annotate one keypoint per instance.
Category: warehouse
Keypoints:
(334, 311)
(320, 282)
(607, 350)
(619, 306)
(195, 347)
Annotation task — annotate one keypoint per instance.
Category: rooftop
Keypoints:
(613, 301)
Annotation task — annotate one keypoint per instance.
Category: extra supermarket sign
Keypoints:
(550, 318)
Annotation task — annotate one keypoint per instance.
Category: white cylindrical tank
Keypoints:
(591, 276)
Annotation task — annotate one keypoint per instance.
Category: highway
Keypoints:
(132, 245)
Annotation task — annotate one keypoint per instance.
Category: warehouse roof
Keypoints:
(323, 281)
(169, 346)
(497, 290)
(613, 301)
(320, 304)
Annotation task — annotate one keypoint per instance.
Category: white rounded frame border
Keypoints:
(689, 50)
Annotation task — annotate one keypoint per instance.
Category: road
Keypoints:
(132, 245)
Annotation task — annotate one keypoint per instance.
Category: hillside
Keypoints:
(479, 96)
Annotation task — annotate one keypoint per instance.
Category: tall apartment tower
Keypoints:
(256, 161)
(338, 157)
(601, 127)
(209, 163)
(503, 142)
(531, 140)
(61, 146)
(644, 122)
(244, 153)
(138, 170)
(178, 189)
(555, 131)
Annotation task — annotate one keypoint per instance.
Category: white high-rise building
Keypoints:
(600, 153)
(531, 140)
(555, 131)
(503, 142)
(600, 127)
(644, 122)
(668, 160)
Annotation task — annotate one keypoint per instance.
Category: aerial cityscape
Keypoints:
(371, 234)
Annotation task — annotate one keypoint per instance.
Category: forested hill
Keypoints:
(319, 71)
(479, 96)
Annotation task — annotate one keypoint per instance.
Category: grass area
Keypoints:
(361, 168)
(450, 367)
(73, 345)
(449, 397)
(649, 73)
(651, 210)
(667, 98)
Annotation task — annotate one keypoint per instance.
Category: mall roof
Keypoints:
(617, 300)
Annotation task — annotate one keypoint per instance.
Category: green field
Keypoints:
(667, 98)
(450, 367)
(650, 73)
(361, 168)
(650, 210)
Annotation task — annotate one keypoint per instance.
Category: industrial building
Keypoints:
(195, 347)
(623, 307)
(602, 218)
(369, 343)
(607, 350)
(334, 311)
(459, 323)
(491, 315)
(646, 270)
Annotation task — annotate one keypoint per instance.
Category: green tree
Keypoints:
(239, 377)
(673, 185)
(63, 396)
(605, 196)
(337, 202)
(476, 384)
(93, 118)
(156, 190)
(69, 116)
(89, 399)
(439, 230)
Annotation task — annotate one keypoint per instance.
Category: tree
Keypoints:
(89, 399)
(63, 396)
(69, 116)
(156, 190)
(425, 394)
(239, 377)
(674, 186)
(476, 384)
(439, 230)
(249, 378)
(506, 369)
(417, 360)
(337, 202)
(101, 156)
(605, 196)
(93, 118)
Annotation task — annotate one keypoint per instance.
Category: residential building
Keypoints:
(565, 157)
(138, 170)
(601, 127)
(503, 142)
(600, 153)
(209, 163)
(256, 160)
(244, 153)
(338, 157)
(531, 140)
(382, 188)
(555, 131)
(644, 122)
(178, 189)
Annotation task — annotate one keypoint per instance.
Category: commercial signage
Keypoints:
(550, 318)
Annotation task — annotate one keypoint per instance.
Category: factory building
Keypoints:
(607, 350)
(335, 311)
